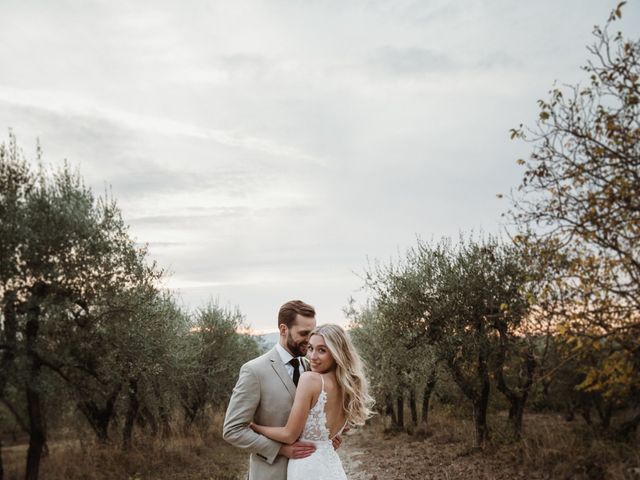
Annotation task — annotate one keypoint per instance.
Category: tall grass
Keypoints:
(198, 454)
(549, 444)
(550, 448)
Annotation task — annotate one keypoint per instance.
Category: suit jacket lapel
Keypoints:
(305, 364)
(278, 367)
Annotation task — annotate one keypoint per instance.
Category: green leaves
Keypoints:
(444, 303)
(73, 278)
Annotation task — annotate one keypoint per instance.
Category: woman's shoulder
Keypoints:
(311, 381)
(310, 378)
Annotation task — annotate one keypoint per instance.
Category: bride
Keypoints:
(331, 397)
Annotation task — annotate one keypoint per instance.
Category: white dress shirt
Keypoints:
(286, 357)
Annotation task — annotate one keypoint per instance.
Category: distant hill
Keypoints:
(268, 339)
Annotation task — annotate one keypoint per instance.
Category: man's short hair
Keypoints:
(290, 310)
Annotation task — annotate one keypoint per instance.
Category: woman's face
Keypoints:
(319, 356)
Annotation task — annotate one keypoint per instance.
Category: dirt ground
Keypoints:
(372, 455)
(445, 451)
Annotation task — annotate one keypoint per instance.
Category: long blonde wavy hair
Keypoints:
(349, 373)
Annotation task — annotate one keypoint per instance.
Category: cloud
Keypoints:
(434, 12)
(163, 244)
(499, 60)
(228, 69)
(409, 61)
(149, 177)
(186, 220)
(62, 104)
(262, 159)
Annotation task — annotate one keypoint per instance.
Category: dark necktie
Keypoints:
(295, 363)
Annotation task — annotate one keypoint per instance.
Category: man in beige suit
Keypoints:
(264, 394)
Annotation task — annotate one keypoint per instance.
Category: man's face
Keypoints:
(297, 337)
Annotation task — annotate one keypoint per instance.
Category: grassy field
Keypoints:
(551, 449)
(200, 455)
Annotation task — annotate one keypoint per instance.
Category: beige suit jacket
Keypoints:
(263, 394)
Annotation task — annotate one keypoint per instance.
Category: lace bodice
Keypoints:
(324, 463)
(315, 429)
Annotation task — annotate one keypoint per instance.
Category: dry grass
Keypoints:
(550, 449)
(202, 455)
(572, 450)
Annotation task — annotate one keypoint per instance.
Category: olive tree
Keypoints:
(65, 255)
(466, 301)
(217, 350)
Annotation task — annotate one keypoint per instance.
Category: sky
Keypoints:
(271, 150)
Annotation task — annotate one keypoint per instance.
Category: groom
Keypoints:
(264, 394)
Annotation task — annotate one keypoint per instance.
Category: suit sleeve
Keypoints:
(240, 412)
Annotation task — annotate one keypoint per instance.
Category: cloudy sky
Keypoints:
(266, 149)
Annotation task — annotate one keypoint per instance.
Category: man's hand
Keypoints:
(337, 441)
(297, 450)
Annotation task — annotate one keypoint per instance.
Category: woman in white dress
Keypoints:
(331, 397)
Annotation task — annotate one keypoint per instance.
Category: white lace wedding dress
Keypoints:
(324, 463)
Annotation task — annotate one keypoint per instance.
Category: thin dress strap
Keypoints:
(320, 394)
